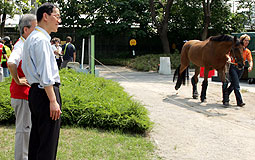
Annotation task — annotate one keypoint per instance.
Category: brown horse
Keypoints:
(210, 54)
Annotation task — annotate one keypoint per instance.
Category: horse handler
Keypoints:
(235, 73)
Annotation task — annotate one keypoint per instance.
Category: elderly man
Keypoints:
(19, 89)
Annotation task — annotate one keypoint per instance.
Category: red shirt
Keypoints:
(1, 50)
(18, 91)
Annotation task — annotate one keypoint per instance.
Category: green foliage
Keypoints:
(6, 111)
(150, 62)
(115, 61)
(9, 8)
(237, 21)
(100, 16)
(90, 101)
(223, 21)
(246, 8)
(147, 62)
(186, 20)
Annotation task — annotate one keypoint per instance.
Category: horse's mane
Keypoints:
(221, 38)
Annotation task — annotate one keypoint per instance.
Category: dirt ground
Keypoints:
(185, 128)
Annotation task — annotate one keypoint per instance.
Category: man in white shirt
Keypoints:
(41, 71)
(55, 43)
(19, 89)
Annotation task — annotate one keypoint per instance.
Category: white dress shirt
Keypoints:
(15, 56)
(38, 61)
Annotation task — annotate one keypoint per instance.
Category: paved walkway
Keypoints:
(185, 128)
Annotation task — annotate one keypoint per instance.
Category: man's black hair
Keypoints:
(44, 8)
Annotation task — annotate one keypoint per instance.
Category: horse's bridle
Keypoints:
(237, 62)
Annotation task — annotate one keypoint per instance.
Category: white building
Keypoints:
(12, 22)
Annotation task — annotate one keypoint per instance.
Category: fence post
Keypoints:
(82, 53)
(92, 61)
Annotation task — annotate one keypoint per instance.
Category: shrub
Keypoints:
(114, 61)
(150, 62)
(6, 111)
(95, 102)
(90, 101)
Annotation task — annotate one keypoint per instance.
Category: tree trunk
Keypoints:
(164, 38)
(165, 43)
(162, 26)
(205, 30)
(2, 25)
(207, 17)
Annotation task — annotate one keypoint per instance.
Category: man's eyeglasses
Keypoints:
(56, 16)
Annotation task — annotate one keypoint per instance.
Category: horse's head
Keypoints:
(237, 52)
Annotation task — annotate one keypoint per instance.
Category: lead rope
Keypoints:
(109, 68)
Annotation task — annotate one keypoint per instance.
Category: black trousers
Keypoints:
(235, 74)
(44, 134)
(59, 61)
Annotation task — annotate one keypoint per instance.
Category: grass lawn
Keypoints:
(88, 144)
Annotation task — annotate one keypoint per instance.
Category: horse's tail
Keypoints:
(187, 74)
(181, 77)
(176, 73)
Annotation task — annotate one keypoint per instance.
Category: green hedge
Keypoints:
(90, 101)
(150, 62)
(6, 111)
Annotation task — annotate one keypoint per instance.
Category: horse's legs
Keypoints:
(225, 93)
(204, 85)
(194, 81)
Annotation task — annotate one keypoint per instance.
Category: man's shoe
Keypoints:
(226, 104)
(241, 104)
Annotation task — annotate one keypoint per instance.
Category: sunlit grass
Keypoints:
(83, 144)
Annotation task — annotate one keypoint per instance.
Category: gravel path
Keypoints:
(186, 129)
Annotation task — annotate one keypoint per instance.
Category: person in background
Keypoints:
(41, 71)
(19, 89)
(1, 50)
(235, 73)
(68, 51)
(7, 49)
(57, 51)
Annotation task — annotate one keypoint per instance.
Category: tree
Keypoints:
(246, 7)
(160, 11)
(9, 8)
(6, 8)
(185, 20)
(217, 11)
(207, 17)
(223, 21)
(104, 16)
